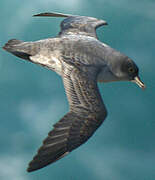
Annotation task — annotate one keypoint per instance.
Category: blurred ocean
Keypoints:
(32, 98)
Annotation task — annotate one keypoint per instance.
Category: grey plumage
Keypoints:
(81, 60)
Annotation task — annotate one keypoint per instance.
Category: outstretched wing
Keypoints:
(87, 112)
(74, 24)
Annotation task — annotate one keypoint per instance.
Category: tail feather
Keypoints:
(18, 48)
(12, 42)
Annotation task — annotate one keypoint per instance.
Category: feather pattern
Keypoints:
(87, 112)
(81, 60)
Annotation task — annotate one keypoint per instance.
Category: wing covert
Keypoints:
(80, 82)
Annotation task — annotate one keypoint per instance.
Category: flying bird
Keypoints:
(81, 60)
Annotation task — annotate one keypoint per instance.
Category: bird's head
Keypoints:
(120, 68)
(130, 72)
(126, 69)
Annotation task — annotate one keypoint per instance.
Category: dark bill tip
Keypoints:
(139, 82)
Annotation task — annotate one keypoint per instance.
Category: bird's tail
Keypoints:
(19, 48)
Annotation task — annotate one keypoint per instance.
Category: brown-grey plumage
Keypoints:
(81, 60)
(87, 112)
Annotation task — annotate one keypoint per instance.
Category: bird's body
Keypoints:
(83, 49)
(81, 60)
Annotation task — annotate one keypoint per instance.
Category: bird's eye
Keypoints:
(131, 70)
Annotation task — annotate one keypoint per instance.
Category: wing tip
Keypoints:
(32, 169)
(33, 166)
(54, 14)
(29, 169)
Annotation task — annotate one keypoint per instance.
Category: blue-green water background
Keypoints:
(32, 98)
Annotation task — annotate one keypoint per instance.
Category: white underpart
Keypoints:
(56, 64)
(50, 61)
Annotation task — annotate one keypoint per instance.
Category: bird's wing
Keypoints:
(74, 24)
(87, 112)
